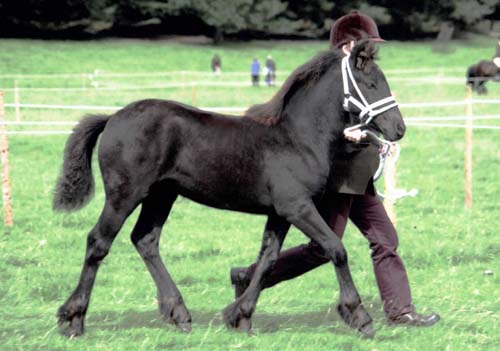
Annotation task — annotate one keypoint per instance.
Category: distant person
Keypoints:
(255, 72)
(496, 61)
(216, 65)
(271, 71)
(496, 57)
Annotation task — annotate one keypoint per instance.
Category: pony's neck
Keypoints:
(315, 115)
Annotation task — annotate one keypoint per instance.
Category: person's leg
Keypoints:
(369, 215)
(300, 259)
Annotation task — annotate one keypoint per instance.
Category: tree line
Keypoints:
(241, 19)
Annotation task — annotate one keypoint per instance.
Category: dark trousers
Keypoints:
(369, 215)
(255, 79)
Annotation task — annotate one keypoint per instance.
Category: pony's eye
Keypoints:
(371, 85)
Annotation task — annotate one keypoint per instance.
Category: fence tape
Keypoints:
(37, 132)
(450, 118)
(413, 124)
(446, 125)
(111, 108)
(408, 120)
(99, 73)
(38, 123)
(96, 85)
(237, 109)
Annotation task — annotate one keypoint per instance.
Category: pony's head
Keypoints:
(315, 85)
(367, 94)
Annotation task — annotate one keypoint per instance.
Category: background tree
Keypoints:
(235, 18)
(403, 19)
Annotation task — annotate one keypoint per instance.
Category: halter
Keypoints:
(367, 110)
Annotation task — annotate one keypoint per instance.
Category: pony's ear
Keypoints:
(363, 53)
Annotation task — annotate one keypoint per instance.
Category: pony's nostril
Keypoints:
(401, 129)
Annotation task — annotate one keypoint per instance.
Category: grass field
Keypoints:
(446, 248)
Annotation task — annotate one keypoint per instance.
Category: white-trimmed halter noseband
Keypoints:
(367, 111)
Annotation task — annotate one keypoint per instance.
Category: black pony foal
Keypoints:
(275, 162)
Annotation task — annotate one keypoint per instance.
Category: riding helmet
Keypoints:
(353, 26)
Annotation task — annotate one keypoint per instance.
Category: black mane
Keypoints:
(269, 113)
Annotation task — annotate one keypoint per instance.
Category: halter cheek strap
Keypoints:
(367, 111)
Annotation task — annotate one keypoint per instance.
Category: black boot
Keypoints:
(240, 280)
(415, 319)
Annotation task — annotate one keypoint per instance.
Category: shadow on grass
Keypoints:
(264, 322)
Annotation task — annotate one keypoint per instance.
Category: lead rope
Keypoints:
(395, 194)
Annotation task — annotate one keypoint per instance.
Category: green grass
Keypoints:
(446, 249)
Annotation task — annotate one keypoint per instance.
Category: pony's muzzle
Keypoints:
(400, 130)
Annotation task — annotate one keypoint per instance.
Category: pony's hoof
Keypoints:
(185, 327)
(62, 316)
(71, 329)
(367, 331)
(230, 316)
(358, 319)
(235, 319)
(251, 333)
(71, 334)
(173, 311)
(245, 326)
(69, 324)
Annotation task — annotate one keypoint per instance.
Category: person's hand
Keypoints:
(394, 148)
(388, 149)
(354, 135)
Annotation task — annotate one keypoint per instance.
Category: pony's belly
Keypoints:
(227, 201)
(222, 187)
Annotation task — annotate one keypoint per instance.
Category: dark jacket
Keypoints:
(354, 166)
(354, 169)
(216, 62)
(271, 65)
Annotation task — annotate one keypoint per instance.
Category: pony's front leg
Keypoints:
(481, 88)
(238, 314)
(304, 215)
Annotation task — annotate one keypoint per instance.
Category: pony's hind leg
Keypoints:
(238, 314)
(146, 236)
(481, 88)
(71, 314)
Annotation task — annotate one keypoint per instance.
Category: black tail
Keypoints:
(75, 186)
